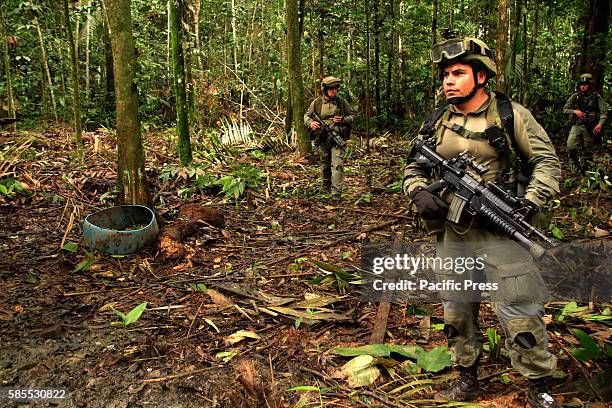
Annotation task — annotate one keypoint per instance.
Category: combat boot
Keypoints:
(538, 395)
(465, 388)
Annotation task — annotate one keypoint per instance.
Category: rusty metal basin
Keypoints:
(120, 230)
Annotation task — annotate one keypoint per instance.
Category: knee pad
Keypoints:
(450, 331)
(526, 340)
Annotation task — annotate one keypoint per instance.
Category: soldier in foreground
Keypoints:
(498, 134)
(329, 119)
(588, 112)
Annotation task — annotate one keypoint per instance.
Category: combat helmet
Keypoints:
(586, 79)
(464, 50)
(330, 82)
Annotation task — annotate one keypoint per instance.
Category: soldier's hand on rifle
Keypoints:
(314, 125)
(597, 129)
(338, 119)
(580, 114)
(428, 205)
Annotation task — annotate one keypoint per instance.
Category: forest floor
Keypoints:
(263, 273)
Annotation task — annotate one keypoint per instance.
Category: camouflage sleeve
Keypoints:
(568, 108)
(535, 145)
(603, 109)
(308, 115)
(349, 114)
(414, 176)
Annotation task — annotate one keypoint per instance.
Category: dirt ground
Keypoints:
(58, 328)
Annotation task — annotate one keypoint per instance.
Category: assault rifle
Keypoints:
(483, 200)
(333, 135)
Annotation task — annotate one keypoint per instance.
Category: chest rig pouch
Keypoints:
(513, 174)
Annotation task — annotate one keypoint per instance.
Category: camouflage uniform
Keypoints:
(331, 156)
(581, 137)
(520, 310)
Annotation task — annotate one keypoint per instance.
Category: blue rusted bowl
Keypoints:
(120, 230)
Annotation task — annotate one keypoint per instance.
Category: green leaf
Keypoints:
(589, 350)
(435, 360)
(85, 264)
(375, 350)
(410, 350)
(70, 247)
(120, 314)
(556, 232)
(134, 314)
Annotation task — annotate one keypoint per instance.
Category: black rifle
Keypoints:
(333, 135)
(483, 200)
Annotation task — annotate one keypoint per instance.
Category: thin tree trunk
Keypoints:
(180, 92)
(234, 37)
(294, 57)
(532, 47)
(377, 30)
(45, 62)
(502, 41)
(524, 84)
(74, 73)
(109, 97)
(7, 69)
(131, 177)
(367, 74)
(514, 45)
(434, 30)
(87, 36)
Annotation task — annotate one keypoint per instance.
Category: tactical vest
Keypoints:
(589, 104)
(514, 174)
(344, 129)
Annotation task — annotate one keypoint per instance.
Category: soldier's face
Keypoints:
(584, 87)
(458, 80)
(332, 92)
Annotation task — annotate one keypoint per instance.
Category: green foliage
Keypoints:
(494, 342)
(243, 176)
(132, 316)
(10, 187)
(589, 350)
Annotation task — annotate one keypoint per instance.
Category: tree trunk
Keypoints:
(7, 70)
(366, 7)
(109, 97)
(514, 46)
(45, 63)
(502, 41)
(180, 90)
(234, 37)
(377, 30)
(597, 41)
(294, 57)
(131, 177)
(74, 74)
(524, 83)
(532, 47)
(87, 36)
(434, 70)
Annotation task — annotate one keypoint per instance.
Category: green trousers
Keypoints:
(518, 300)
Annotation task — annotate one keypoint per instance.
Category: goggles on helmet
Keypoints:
(454, 48)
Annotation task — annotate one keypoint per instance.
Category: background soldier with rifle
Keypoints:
(507, 146)
(588, 112)
(329, 119)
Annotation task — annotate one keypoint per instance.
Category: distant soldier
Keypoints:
(329, 119)
(588, 112)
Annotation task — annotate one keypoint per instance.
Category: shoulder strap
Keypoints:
(431, 120)
(504, 109)
(317, 105)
